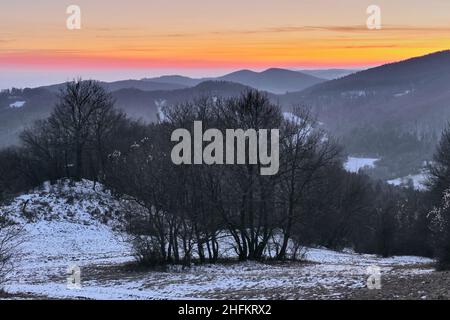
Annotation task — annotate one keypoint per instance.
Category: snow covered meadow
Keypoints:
(76, 224)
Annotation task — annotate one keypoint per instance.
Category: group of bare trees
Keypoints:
(189, 208)
(74, 140)
(175, 212)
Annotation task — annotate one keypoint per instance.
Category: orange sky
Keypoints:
(208, 36)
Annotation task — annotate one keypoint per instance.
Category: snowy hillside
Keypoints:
(418, 181)
(65, 224)
(74, 224)
(78, 202)
(354, 164)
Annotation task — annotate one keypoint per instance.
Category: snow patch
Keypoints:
(17, 104)
(78, 202)
(354, 164)
(416, 180)
(401, 94)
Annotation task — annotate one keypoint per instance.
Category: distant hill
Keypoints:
(128, 84)
(20, 108)
(177, 80)
(273, 80)
(144, 104)
(395, 112)
(329, 74)
(409, 93)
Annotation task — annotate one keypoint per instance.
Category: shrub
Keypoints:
(11, 238)
(147, 252)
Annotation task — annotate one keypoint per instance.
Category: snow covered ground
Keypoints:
(353, 164)
(69, 232)
(96, 250)
(417, 180)
(17, 104)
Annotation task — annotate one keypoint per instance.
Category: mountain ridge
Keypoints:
(404, 92)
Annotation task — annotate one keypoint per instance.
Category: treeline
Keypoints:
(401, 152)
(179, 212)
(38, 103)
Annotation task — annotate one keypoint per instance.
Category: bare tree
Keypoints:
(247, 197)
(79, 134)
(306, 151)
(81, 117)
(11, 239)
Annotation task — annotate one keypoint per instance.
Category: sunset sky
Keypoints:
(137, 38)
